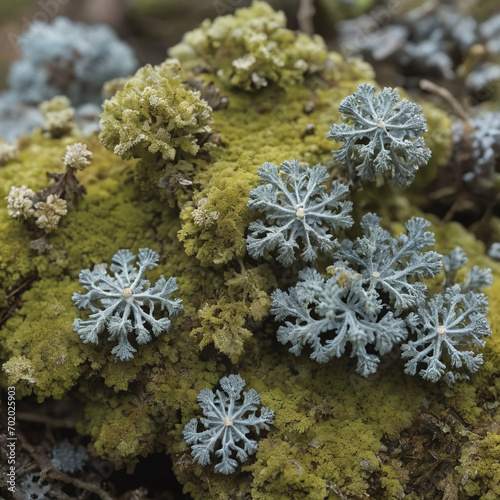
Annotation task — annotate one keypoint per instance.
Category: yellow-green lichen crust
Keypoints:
(336, 435)
(155, 116)
(252, 49)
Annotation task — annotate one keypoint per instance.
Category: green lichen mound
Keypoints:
(336, 435)
(155, 115)
(252, 49)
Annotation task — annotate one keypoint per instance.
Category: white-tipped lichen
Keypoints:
(252, 48)
(8, 151)
(202, 217)
(77, 156)
(19, 368)
(49, 213)
(20, 202)
(156, 114)
(59, 117)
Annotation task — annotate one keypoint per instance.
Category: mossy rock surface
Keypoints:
(336, 434)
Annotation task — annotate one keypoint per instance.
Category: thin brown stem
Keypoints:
(305, 16)
(20, 287)
(48, 471)
(66, 423)
(445, 94)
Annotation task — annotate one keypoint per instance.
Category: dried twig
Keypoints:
(24, 284)
(6, 312)
(66, 423)
(48, 471)
(305, 16)
(445, 94)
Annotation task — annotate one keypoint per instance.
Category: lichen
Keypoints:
(335, 433)
(120, 303)
(157, 118)
(59, 117)
(18, 369)
(8, 151)
(252, 49)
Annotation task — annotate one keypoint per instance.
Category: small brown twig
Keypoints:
(454, 208)
(305, 16)
(49, 471)
(65, 423)
(445, 94)
(23, 285)
(6, 312)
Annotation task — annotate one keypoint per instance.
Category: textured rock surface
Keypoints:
(336, 434)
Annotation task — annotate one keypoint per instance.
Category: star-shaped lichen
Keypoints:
(391, 266)
(383, 135)
(227, 422)
(330, 315)
(446, 327)
(296, 206)
(125, 302)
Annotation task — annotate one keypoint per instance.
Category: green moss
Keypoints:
(159, 119)
(42, 330)
(29, 168)
(480, 467)
(252, 49)
(245, 298)
(328, 425)
(253, 133)
(335, 434)
(438, 140)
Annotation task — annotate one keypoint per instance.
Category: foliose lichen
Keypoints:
(155, 115)
(68, 58)
(62, 58)
(68, 458)
(384, 136)
(117, 302)
(227, 422)
(445, 327)
(296, 205)
(252, 49)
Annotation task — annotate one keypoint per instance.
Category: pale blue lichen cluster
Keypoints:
(451, 325)
(376, 297)
(61, 58)
(383, 135)
(437, 43)
(68, 458)
(125, 302)
(447, 328)
(227, 421)
(68, 58)
(375, 279)
(32, 486)
(482, 135)
(296, 204)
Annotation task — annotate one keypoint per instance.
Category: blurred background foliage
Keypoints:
(151, 26)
